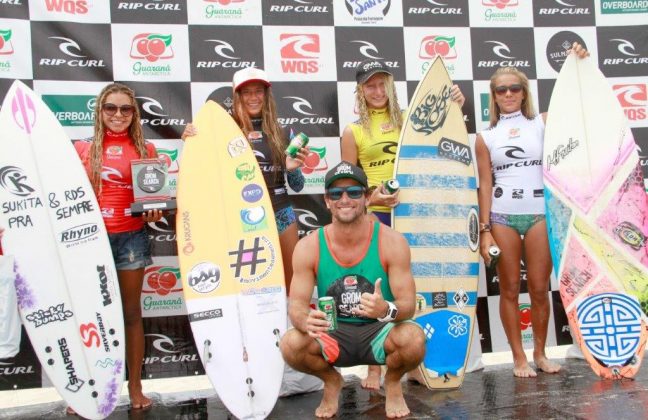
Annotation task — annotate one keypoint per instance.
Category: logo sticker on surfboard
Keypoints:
(473, 229)
(204, 277)
(253, 218)
(454, 150)
(253, 263)
(237, 146)
(252, 193)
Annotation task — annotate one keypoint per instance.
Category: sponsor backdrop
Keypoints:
(176, 54)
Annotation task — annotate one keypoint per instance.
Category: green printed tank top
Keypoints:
(347, 283)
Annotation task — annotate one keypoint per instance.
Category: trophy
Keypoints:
(150, 186)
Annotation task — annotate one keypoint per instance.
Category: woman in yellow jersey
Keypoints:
(371, 143)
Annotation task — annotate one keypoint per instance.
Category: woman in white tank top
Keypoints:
(511, 209)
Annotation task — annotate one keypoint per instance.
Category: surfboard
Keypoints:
(230, 259)
(597, 219)
(438, 216)
(66, 283)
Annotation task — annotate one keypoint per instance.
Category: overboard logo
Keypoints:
(79, 234)
(300, 53)
(228, 59)
(204, 277)
(252, 193)
(72, 110)
(74, 55)
(609, 7)
(633, 99)
(253, 219)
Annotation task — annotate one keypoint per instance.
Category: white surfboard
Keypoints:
(66, 283)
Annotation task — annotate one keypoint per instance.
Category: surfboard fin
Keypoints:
(206, 353)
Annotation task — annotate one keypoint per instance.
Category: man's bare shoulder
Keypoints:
(308, 245)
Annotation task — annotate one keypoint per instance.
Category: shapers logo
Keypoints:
(300, 53)
(633, 99)
(70, 48)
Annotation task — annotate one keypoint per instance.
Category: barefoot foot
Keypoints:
(395, 406)
(329, 405)
(372, 381)
(140, 402)
(523, 370)
(545, 365)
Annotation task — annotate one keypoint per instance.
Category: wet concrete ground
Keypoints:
(493, 393)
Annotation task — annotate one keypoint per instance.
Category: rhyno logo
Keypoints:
(78, 233)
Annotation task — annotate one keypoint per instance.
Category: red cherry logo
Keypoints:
(442, 48)
(156, 47)
(312, 160)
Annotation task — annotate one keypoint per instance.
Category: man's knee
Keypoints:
(290, 343)
(408, 340)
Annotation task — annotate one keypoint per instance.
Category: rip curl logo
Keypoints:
(23, 111)
(13, 179)
(511, 152)
(223, 48)
(56, 313)
(431, 112)
(299, 105)
(625, 47)
(66, 45)
(367, 49)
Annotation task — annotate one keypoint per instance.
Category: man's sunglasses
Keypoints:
(501, 90)
(111, 109)
(354, 192)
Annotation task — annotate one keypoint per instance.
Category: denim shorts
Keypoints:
(131, 250)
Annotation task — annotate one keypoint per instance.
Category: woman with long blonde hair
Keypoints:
(512, 209)
(107, 157)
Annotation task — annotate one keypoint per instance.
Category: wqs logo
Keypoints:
(430, 112)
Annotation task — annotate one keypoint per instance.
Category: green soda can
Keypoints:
(391, 186)
(326, 304)
(300, 140)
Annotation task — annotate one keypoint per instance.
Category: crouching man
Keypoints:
(365, 266)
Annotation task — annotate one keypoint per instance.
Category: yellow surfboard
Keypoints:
(230, 259)
(438, 216)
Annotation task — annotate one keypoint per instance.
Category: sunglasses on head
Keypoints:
(501, 90)
(111, 109)
(354, 192)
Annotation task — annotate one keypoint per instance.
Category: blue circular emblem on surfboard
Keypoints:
(252, 193)
(610, 324)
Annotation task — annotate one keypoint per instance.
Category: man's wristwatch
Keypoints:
(392, 312)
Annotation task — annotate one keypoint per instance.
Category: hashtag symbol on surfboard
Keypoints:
(247, 257)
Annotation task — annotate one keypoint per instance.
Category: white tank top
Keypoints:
(515, 146)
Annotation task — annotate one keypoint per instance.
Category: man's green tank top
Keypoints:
(346, 284)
